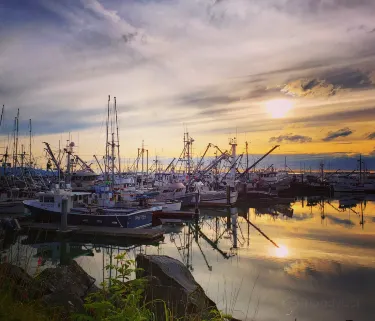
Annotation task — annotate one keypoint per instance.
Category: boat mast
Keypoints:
(113, 160)
(17, 122)
(22, 156)
(142, 157)
(2, 115)
(30, 144)
(118, 139)
(233, 143)
(106, 163)
(14, 143)
(69, 150)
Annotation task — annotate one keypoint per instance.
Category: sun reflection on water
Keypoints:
(281, 251)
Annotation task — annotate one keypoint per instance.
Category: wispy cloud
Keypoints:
(371, 136)
(290, 138)
(343, 132)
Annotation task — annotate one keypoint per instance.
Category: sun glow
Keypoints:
(278, 108)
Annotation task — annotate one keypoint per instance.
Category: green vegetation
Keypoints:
(17, 310)
(119, 299)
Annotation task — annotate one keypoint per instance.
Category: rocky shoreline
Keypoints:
(168, 284)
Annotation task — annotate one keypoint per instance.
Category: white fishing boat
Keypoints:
(168, 206)
(210, 197)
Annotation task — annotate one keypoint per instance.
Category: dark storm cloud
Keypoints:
(343, 132)
(290, 138)
(371, 136)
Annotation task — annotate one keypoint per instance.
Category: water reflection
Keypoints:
(307, 259)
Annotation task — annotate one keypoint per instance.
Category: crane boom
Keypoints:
(49, 151)
(259, 160)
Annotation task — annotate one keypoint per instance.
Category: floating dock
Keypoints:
(99, 231)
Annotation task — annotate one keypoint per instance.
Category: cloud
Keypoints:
(371, 135)
(330, 83)
(343, 132)
(188, 62)
(310, 88)
(290, 138)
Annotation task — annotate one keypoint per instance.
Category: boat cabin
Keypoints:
(52, 200)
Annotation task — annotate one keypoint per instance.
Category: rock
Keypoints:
(67, 285)
(19, 281)
(69, 302)
(71, 278)
(175, 285)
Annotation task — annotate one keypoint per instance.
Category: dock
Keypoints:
(98, 231)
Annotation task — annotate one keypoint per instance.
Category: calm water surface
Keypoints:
(323, 269)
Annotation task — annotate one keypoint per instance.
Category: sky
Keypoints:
(294, 73)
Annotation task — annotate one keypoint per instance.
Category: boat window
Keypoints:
(165, 191)
(41, 199)
(75, 198)
(48, 199)
(80, 197)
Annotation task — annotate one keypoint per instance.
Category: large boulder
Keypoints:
(173, 285)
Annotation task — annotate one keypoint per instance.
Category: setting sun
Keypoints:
(278, 108)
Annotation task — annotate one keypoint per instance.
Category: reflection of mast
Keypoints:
(362, 222)
(184, 248)
(234, 230)
(322, 209)
(261, 232)
(200, 249)
(213, 244)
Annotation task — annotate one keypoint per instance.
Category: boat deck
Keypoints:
(144, 234)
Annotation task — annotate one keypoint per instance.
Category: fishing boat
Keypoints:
(210, 197)
(174, 191)
(81, 210)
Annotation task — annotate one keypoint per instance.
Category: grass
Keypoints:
(16, 310)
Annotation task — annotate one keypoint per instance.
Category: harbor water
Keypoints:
(312, 259)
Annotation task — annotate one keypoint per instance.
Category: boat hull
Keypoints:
(136, 219)
(13, 207)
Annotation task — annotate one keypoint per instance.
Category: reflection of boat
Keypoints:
(55, 250)
(275, 210)
(347, 202)
(313, 201)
